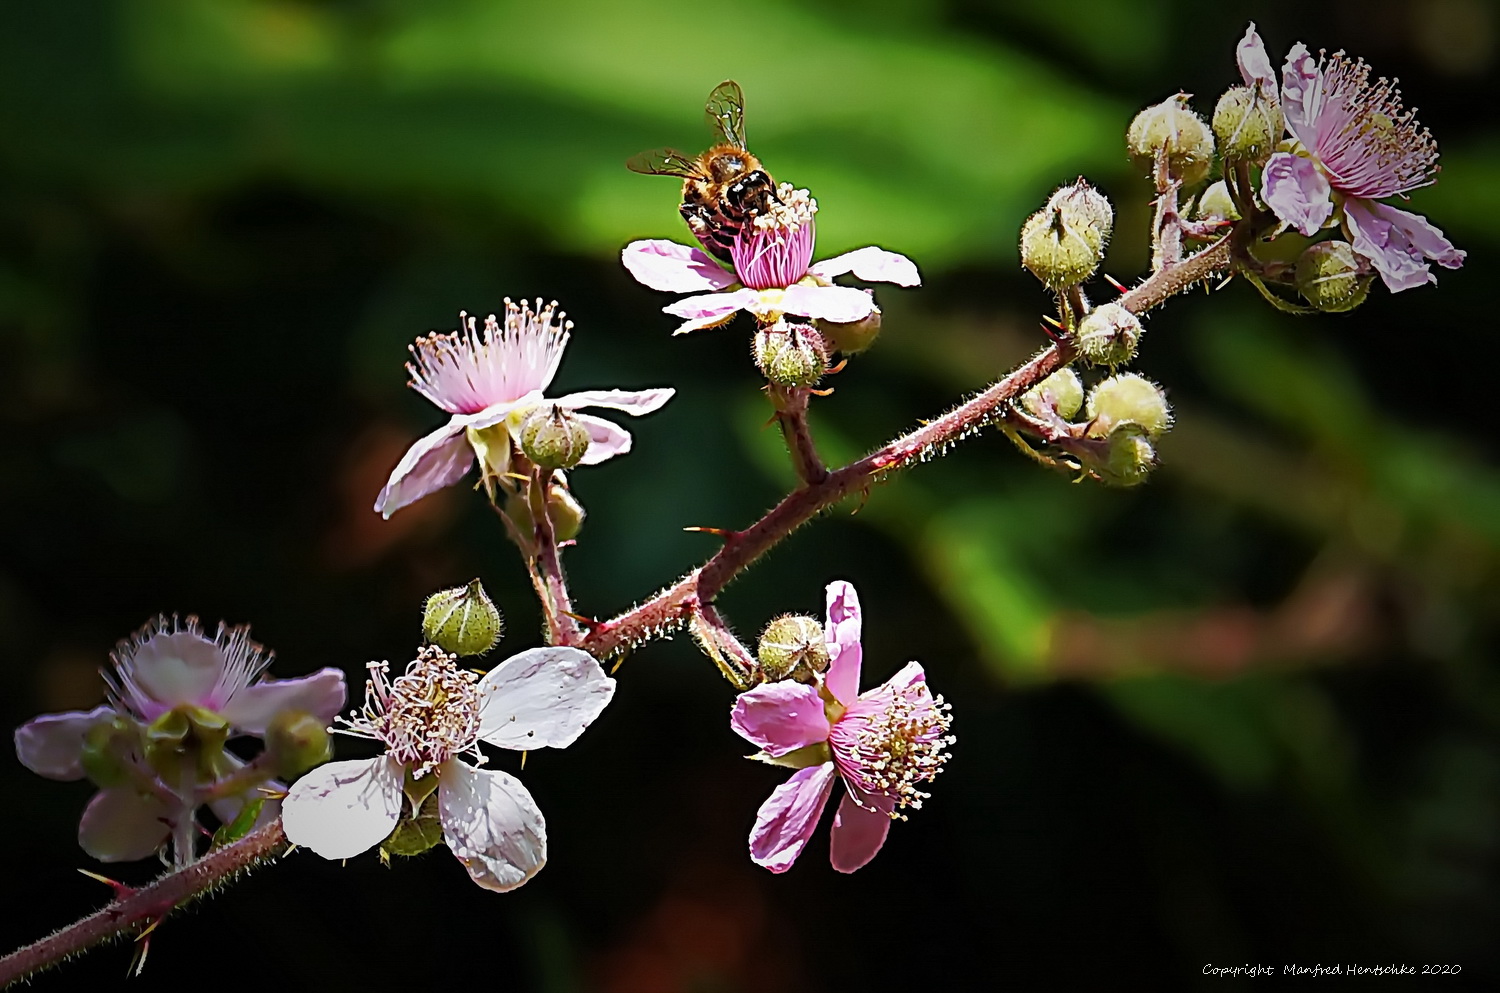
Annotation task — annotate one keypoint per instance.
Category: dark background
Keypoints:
(1246, 713)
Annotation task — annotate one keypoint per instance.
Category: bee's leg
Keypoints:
(700, 220)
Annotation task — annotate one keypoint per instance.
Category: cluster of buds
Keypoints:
(1115, 441)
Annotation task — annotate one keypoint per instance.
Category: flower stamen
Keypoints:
(424, 717)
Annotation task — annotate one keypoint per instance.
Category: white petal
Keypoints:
(606, 439)
(343, 808)
(542, 698)
(432, 462)
(635, 402)
(492, 825)
(121, 825)
(52, 745)
(321, 694)
(666, 265)
(872, 264)
(840, 304)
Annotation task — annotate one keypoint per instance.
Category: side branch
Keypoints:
(143, 907)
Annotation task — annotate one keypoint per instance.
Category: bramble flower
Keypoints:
(173, 688)
(427, 718)
(1356, 145)
(773, 271)
(489, 380)
(882, 743)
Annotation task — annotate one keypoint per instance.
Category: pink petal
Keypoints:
(176, 668)
(858, 833)
(606, 439)
(841, 304)
(636, 402)
(497, 412)
(343, 808)
(709, 307)
(440, 459)
(321, 694)
(121, 825)
(872, 264)
(491, 823)
(780, 717)
(1297, 191)
(666, 265)
(1301, 95)
(1398, 242)
(842, 635)
(1255, 65)
(542, 698)
(52, 745)
(786, 820)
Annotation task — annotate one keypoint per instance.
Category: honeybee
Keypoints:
(725, 187)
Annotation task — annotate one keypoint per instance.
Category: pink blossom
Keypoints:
(1357, 145)
(881, 743)
(773, 272)
(489, 377)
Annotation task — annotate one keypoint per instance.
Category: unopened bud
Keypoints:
(1109, 335)
(296, 741)
(1060, 393)
(1247, 125)
(1129, 457)
(109, 747)
(852, 337)
(1217, 204)
(566, 512)
(791, 354)
(1059, 252)
(792, 646)
(1332, 278)
(553, 438)
(1129, 399)
(1087, 210)
(462, 621)
(1172, 127)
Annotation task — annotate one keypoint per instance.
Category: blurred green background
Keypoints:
(1246, 713)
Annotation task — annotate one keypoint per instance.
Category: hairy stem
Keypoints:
(552, 585)
(791, 417)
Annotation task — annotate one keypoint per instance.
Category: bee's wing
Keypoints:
(664, 162)
(725, 111)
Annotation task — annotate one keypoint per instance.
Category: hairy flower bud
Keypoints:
(463, 620)
(1059, 251)
(1332, 278)
(1085, 209)
(1247, 125)
(1108, 335)
(563, 508)
(108, 749)
(792, 646)
(852, 337)
(296, 741)
(553, 438)
(1060, 393)
(1129, 457)
(1129, 399)
(1217, 204)
(1172, 127)
(791, 354)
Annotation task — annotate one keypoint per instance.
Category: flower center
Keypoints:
(889, 750)
(424, 717)
(1371, 146)
(465, 371)
(775, 249)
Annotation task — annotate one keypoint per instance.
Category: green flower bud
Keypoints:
(792, 646)
(1129, 457)
(185, 740)
(108, 748)
(1108, 335)
(1086, 210)
(1129, 399)
(1332, 278)
(1172, 126)
(1059, 251)
(553, 438)
(1217, 204)
(296, 741)
(791, 354)
(1247, 125)
(850, 338)
(462, 621)
(566, 512)
(1060, 393)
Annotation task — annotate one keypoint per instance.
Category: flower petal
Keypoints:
(872, 264)
(440, 459)
(1301, 94)
(666, 265)
(606, 439)
(121, 825)
(636, 402)
(1297, 191)
(542, 698)
(709, 309)
(52, 745)
(343, 808)
(858, 832)
(786, 820)
(841, 304)
(173, 668)
(1255, 65)
(1398, 242)
(780, 717)
(322, 694)
(497, 412)
(842, 635)
(492, 825)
